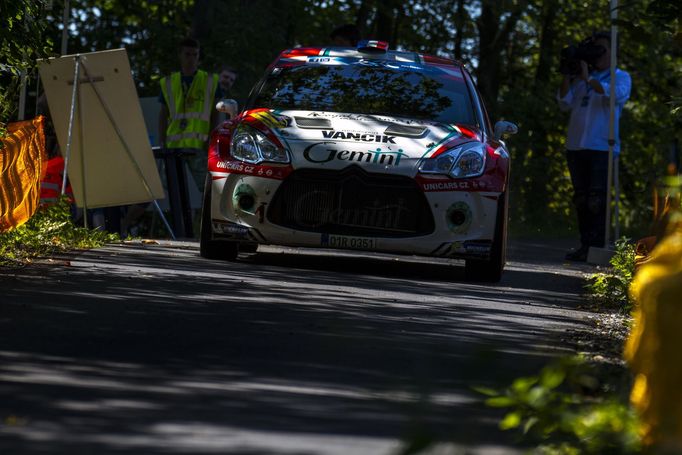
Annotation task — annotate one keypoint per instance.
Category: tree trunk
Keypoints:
(487, 73)
(362, 18)
(547, 38)
(397, 24)
(461, 18)
(493, 37)
(538, 187)
(201, 20)
(385, 20)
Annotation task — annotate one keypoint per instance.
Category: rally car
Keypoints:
(365, 149)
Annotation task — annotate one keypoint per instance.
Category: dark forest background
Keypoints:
(511, 46)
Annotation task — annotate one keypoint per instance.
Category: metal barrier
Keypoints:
(178, 193)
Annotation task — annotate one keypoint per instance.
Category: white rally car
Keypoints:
(364, 149)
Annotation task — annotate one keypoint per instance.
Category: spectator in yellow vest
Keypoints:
(188, 112)
(187, 116)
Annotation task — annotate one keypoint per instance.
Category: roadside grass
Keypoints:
(49, 231)
(610, 288)
(563, 410)
(579, 404)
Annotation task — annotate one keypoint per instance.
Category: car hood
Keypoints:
(377, 143)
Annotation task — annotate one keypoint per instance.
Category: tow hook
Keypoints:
(260, 211)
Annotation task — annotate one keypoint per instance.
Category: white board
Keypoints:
(104, 169)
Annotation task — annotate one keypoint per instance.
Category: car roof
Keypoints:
(348, 55)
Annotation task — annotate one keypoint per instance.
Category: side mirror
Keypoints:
(227, 106)
(504, 128)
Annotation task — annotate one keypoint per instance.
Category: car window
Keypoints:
(365, 87)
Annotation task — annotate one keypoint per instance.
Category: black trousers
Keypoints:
(589, 174)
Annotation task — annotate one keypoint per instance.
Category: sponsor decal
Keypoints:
(231, 229)
(476, 248)
(355, 243)
(458, 217)
(324, 152)
(270, 120)
(238, 167)
(364, 137)
(453, 185)
(319, 59)
(312, 210)
(370, 118)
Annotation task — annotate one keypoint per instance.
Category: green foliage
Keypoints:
(149, 30)
(513, 49)
(611, 288)
(557, 410)
(21, 43)
(50, 230)
(672, 220)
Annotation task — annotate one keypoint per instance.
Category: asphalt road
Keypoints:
(150, 349)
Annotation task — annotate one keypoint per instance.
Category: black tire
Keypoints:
(248, 247)
(208, 247)
(490, 270)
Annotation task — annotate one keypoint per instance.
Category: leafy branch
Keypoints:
(559, 410)
(50, 230)
(611, 288)
(22, 42)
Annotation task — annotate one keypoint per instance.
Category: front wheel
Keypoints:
(208, 247)
(490, 270)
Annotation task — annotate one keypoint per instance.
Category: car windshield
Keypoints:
(425, 93)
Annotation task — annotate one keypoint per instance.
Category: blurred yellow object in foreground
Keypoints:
(21, 168)
(653, 348)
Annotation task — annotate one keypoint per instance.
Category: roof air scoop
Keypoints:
(373, 47)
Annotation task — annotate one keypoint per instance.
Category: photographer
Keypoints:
(585, 92)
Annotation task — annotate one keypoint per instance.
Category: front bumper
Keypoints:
(371, 213)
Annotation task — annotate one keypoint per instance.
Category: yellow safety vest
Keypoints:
(189, 113)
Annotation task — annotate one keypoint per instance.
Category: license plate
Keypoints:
(343, 241)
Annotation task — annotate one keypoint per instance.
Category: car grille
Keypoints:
(351, 202)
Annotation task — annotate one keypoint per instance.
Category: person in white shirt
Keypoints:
(586, 96)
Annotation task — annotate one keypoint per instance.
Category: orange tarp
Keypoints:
(21, 168)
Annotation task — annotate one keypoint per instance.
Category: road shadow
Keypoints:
(151, 349)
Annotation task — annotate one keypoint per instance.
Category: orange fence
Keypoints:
(21, 168)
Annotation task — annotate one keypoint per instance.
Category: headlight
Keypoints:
(252, 146)
(244, 147)
(464, 161)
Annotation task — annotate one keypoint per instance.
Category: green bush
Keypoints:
(22, 41)
(50, 230)
(611, 288)
(559, 410)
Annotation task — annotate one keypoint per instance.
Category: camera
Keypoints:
(571, 56)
